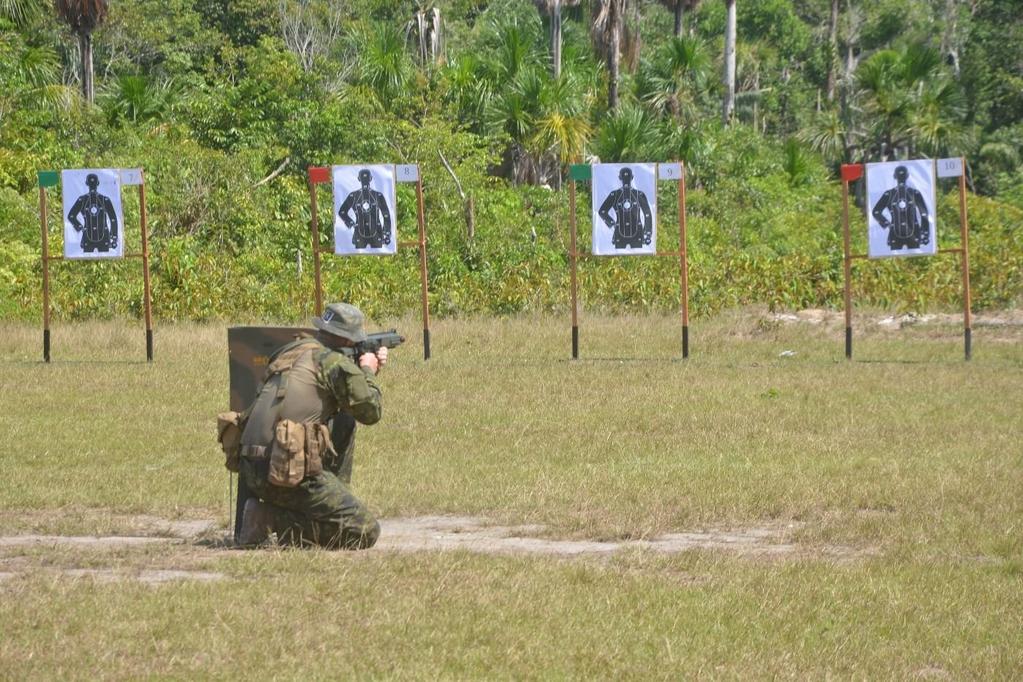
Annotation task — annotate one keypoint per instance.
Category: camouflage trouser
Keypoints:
(319, 511)
(342, 435)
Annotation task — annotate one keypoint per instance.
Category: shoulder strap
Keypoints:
(285, 358)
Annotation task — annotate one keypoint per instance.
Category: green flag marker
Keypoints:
(48, 178)
(580, 171)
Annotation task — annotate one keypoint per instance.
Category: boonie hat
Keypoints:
(342, 319)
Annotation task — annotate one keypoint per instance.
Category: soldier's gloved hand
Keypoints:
(382, 355)
(369, 361)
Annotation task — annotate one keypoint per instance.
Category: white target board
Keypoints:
(93, 216)
(364, 210)
(901, 209)
(624, 209)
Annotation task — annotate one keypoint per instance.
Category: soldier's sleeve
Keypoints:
(355, 389)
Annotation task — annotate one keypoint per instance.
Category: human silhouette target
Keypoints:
(93, 215)
(624, 209)
(901, 207)
(364, 201)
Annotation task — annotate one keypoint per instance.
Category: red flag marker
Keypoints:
(852, 171)
(319, 174)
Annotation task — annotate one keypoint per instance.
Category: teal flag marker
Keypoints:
(48, 178)
(580, 171)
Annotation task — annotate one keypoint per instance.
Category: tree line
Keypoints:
(226, 103)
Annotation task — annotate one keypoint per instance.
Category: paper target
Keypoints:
(624, 209)
(901, 209)
(364, 210)
(93, 217)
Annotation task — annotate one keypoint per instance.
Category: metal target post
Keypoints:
(128, 176)
(404, 173)
(669, 171)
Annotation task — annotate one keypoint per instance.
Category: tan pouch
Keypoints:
(317, 445)
(229, 435)
(287, 454)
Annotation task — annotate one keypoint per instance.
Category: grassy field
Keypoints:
(908, 460)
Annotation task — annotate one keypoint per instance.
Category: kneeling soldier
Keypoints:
(290, 460)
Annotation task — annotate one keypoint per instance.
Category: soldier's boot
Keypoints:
(256, 520)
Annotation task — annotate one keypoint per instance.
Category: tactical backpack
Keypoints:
(297, 449)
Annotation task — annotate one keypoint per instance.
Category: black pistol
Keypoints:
(373, 343)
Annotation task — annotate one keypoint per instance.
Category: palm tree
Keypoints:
(676, 79)
(799, 167)
(545, 121)
(137, 99)
(759, 59)
(35, 82)
(887, 82)
(386, 66)
(832, 49)
(552, 9)
(679, 8)
(514, 113)
(607, 35)
(83, 17)
(904, 102)
(728, 106)
(428, 29)
(831, 136)
(19, 11)
(470, 87)
(562, 126)
(517, 46)
(626, 135)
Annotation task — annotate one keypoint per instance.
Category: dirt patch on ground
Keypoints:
(182, 547)
(821, 317)
(96, 541)
(113, 575)
(426, 533)
(88, 522)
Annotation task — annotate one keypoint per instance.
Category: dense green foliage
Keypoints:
(224, 104)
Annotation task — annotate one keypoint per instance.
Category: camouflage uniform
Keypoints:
(322, 385)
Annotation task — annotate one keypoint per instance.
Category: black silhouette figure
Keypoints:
(99, 231)
(632, 222)
(907, 223)
(372, 222)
